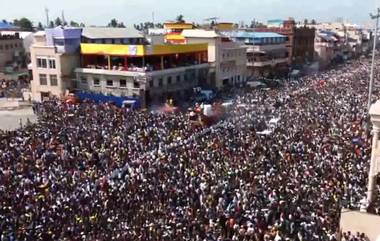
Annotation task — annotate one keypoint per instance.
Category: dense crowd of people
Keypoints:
(279, 167)
(12, 88)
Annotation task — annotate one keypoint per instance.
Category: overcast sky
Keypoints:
(99, 12)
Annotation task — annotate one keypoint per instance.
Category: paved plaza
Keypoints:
(355, 221)
(10, 119)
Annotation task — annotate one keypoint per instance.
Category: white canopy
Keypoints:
(264, 132)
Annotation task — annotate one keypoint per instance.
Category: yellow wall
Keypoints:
(113, 49)
(225, 26)
(174, 37)
(178, 48)
(178, 25)
(141, 50)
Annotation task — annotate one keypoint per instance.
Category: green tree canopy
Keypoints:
(58, 22)
(24, 24)
(113, 23)
(74, 24)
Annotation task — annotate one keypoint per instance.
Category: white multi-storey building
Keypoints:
(227, 59)
(54, 56)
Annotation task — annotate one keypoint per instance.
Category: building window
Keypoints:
(42, 63)
(178, 78)
(123, 83)
(53, 80)
(43, 79)
(160, 82)
(109, 83)
(169, 80)
(52, 63)
(136, 84)
(83, 80)
(96, 82)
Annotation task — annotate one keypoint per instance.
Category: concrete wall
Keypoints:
(65, 56)
(68, 64)
(69, 36)
(183, 79)
(64, 70)
(233, 63)
(85, 81)
(228, 59)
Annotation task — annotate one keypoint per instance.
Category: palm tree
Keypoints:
(180, 19)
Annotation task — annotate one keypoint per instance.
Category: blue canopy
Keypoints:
(6, 25)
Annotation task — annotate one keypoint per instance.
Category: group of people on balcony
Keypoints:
(139, 64)
(135, 68)
(121, 67)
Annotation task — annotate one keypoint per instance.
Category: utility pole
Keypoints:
(377, 16)
(63, 18)
(153, 18)
(47, 17)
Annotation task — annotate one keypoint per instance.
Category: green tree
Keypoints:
(120, 25)
(180, 19)
(82, 25)
(305, 22)
(51, 24)
(58, 22)
(74, 24)
(113, 23)
(40, 27)
(147, 25)
(313, 22)
(24, 24)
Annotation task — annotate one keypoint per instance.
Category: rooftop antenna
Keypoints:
(153, 18)
(47, 17)
(211, 19)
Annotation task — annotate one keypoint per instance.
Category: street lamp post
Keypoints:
(377, 16)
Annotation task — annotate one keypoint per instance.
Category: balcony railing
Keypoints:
(262, 63)
(264, 48)
(139, 71)
(147, 68)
